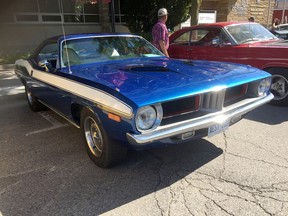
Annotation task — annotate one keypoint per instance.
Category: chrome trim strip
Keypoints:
(60, 114)
(166, 131)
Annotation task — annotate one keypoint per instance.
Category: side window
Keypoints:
(224, 40)
(198, 34)
(48, 55)
(183, 39)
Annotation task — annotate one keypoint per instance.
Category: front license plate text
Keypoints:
(217, 128)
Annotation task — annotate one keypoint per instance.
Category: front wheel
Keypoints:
(102, 150)
(279, 86)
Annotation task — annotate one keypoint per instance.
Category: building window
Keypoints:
(119, 17)
(51, 11)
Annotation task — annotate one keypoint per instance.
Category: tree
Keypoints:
(195, 11)
(140, 16)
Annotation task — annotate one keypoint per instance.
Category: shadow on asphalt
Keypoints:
(269, 114)
(51, 174)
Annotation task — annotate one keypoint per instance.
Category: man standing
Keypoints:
(160, 33)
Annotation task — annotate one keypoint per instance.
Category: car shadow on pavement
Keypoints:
(59, 178)
(141, 175)
(269, 114)
(50, 173)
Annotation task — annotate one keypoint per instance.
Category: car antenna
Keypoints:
(64, 34)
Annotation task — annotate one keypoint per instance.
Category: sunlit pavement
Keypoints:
(9, 83)
(44, 169)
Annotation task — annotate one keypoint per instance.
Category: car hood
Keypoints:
(152, 80)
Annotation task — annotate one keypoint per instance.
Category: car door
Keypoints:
(203, 44)
(47, 78)
(178, 48)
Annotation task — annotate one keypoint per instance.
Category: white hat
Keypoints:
(162, 12)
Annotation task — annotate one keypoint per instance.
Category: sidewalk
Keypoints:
(9, 83)
(7, 67)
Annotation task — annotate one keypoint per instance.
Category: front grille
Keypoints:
(213, 100)
(234, 94)
(200, 105)
(180, 107)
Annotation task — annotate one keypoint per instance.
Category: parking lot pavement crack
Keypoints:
(158, 185)
(232, 190)
(224, 154)
(216, 204)
(278, 185)
(262, 161)
(186, 205)
(281, 210)
(261, 147)
(183, 187)
(174, 191)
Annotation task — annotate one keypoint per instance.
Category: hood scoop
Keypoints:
(143, 68)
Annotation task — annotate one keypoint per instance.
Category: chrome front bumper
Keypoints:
(232, 112)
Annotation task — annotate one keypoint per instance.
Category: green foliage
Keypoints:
(140, 17)
(10, 59)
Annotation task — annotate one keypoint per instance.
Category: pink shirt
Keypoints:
(160, 32)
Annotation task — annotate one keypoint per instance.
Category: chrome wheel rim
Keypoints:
(93, 136)
(279, 87)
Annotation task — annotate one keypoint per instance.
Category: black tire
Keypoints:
(279, 86)
(102, 150)
(33, 102)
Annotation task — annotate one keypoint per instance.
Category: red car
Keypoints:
(239, 42)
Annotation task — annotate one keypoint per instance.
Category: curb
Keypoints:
(7, 67)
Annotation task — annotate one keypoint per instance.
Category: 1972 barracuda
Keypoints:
(122, 92)
(240, 42)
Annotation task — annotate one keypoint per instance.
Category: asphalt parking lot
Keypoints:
(44, 169)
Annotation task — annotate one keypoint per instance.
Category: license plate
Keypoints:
(217, 128)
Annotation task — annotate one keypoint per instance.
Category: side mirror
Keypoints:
(46, 65)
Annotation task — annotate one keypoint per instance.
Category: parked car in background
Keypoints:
(281, 31)
(122, 92)
(283, 26)
(241, 42)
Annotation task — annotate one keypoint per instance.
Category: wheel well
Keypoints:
(76, 112)
(274, 70)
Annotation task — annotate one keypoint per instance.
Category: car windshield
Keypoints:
(105, 48)
(247, 32)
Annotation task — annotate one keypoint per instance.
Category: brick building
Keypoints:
(240, 10)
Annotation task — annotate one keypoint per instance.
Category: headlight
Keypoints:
(148, 117)
(264, 86)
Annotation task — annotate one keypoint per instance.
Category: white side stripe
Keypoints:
(87, 92)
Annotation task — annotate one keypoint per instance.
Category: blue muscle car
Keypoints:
(122, 92)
